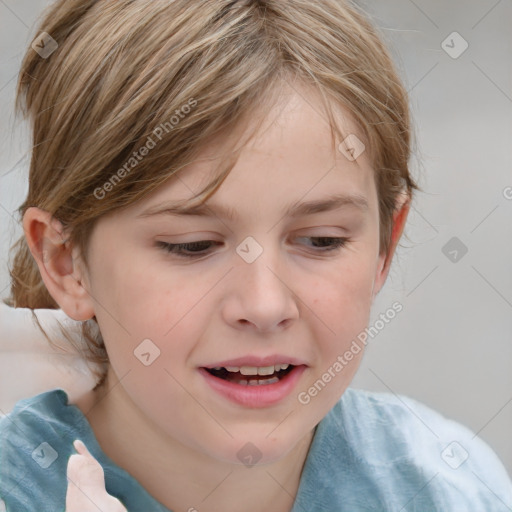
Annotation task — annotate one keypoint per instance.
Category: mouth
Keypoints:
(257, 382)
(252, 375)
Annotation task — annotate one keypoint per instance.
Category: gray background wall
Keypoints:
(451, 346)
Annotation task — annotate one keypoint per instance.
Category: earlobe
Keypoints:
(58, 266)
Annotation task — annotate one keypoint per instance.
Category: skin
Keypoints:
(86, 488)
(162, 423)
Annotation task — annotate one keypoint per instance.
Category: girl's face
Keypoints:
(282, 269)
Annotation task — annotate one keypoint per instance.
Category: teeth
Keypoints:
(253, 370)
(260, 382)
(267, 370)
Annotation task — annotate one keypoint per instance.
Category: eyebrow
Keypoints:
(332, 202)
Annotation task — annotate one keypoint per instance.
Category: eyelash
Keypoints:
(179, 249)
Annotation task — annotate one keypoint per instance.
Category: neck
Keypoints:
(179, 477)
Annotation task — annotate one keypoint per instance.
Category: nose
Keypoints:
(261, 298)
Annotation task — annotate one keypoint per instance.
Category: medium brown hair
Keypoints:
(124, 68)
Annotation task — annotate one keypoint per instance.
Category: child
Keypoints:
(216, 191)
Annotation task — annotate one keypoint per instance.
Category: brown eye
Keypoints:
(325, 243)
(189, 249)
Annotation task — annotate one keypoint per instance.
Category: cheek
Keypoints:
(342, 301)
(344, 294)
(138, 292)
(150, 302)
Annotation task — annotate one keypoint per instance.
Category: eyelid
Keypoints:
(178, 249)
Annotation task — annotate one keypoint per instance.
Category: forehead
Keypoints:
(290, 159)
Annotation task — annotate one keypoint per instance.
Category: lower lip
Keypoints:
(262, 395)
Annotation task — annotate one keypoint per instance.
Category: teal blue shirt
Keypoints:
(372, 452)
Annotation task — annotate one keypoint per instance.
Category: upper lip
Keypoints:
(259, 362)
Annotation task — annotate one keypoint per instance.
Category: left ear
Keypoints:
(385, 259)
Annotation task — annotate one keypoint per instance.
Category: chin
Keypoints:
(255, 450)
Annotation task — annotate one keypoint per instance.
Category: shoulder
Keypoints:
(35, 444)
(403, 451)
(36, 441)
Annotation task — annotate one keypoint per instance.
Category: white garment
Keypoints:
(29, 365)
